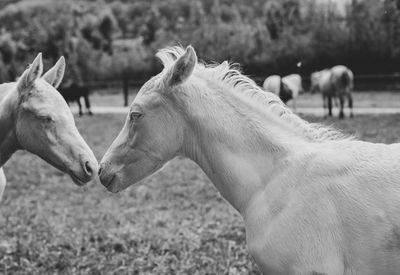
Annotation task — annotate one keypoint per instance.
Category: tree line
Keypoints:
(117, 39)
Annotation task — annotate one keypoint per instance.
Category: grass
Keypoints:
(173, 223)
(374, 99)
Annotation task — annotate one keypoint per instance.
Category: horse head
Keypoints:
(45, 125)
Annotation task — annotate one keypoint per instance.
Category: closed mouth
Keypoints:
(109, 183)
(77, 180)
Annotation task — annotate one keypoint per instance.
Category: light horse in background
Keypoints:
(307, 209)
(333, 83)
(287, 88)
(35, 117)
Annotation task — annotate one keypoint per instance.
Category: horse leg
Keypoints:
(341, 113)
(350, 98)
(330, 105)
(87, 103)
(78, 100)
(324, 104)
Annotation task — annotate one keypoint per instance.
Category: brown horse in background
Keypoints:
(74, 92)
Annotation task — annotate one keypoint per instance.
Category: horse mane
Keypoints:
(229, 74)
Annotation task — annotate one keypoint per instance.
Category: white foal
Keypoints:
(312, 201)
(35, 117)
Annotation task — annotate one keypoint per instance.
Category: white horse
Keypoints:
(333, 83)
(35, 117)
(312, 200)
(287, 88)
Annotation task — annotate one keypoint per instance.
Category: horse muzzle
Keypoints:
(86, 172)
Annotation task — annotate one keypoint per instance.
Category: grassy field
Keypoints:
(373, 99)
(173, 223)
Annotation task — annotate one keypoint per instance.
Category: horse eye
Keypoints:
(46, 118)
(136, 115)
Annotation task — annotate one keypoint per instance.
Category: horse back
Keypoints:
(74, 92)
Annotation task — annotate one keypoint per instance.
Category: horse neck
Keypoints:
(8, 140)
(240, 149)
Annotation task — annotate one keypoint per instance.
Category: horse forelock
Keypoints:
(230, 76)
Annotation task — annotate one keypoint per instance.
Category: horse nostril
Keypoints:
(100, 169)
(88, 168)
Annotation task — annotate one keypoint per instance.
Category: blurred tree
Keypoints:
(129, 58)
(265, 36)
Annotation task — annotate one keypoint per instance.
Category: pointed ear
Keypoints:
(33, 72)
(55, 75)
(183, 67)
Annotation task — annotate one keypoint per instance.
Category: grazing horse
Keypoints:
(307, 209)
(287, 88)
(74, 92)
(333, 83)
(35, 117)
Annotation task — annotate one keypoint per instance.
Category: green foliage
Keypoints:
(265, 36)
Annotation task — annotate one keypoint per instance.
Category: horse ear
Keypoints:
(55, 75)
(182, 68)
(33, 72)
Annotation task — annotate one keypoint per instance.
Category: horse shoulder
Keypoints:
(316, 196)
(284, 221)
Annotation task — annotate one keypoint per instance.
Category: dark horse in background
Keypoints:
(74, 92)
